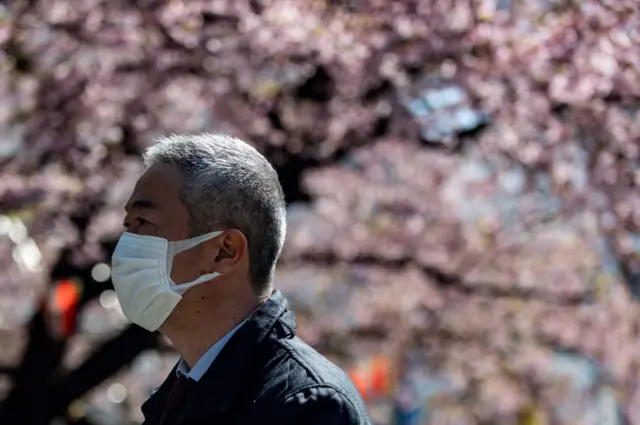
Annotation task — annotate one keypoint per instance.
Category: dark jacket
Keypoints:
(266, 375)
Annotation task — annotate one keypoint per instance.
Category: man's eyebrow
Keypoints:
(141, 204)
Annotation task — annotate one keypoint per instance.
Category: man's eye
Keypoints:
(141, 221)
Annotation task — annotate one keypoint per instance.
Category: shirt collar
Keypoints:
(209, 399)
(204, 362)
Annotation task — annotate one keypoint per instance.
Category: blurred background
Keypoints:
(462, 180)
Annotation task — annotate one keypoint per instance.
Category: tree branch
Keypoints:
(449, 280)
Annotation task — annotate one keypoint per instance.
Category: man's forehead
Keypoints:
(160, 176)
(156, 185)
(138, 203)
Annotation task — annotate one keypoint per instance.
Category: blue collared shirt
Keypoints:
(204, 363)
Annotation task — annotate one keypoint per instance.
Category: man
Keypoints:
(205, 225)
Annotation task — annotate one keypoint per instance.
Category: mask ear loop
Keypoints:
(182, 287)
(176, 247)
(192, 242)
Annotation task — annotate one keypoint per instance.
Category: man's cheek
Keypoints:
(185, 268)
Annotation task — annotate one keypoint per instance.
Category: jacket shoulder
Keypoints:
(306, 367)
(322, 404)
(304, 382)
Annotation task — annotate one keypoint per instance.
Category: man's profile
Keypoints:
(205, 225)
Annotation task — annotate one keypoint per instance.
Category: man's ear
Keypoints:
(231, 248)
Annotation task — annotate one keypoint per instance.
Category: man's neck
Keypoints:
(203, 326)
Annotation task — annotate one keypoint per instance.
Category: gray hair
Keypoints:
(229, 184)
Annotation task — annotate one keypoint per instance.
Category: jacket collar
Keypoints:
(218, 388)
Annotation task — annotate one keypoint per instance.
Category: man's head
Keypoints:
(197, 184)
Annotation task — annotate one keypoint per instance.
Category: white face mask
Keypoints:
(141, 275)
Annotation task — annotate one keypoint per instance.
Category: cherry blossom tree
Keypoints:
(462, 179)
